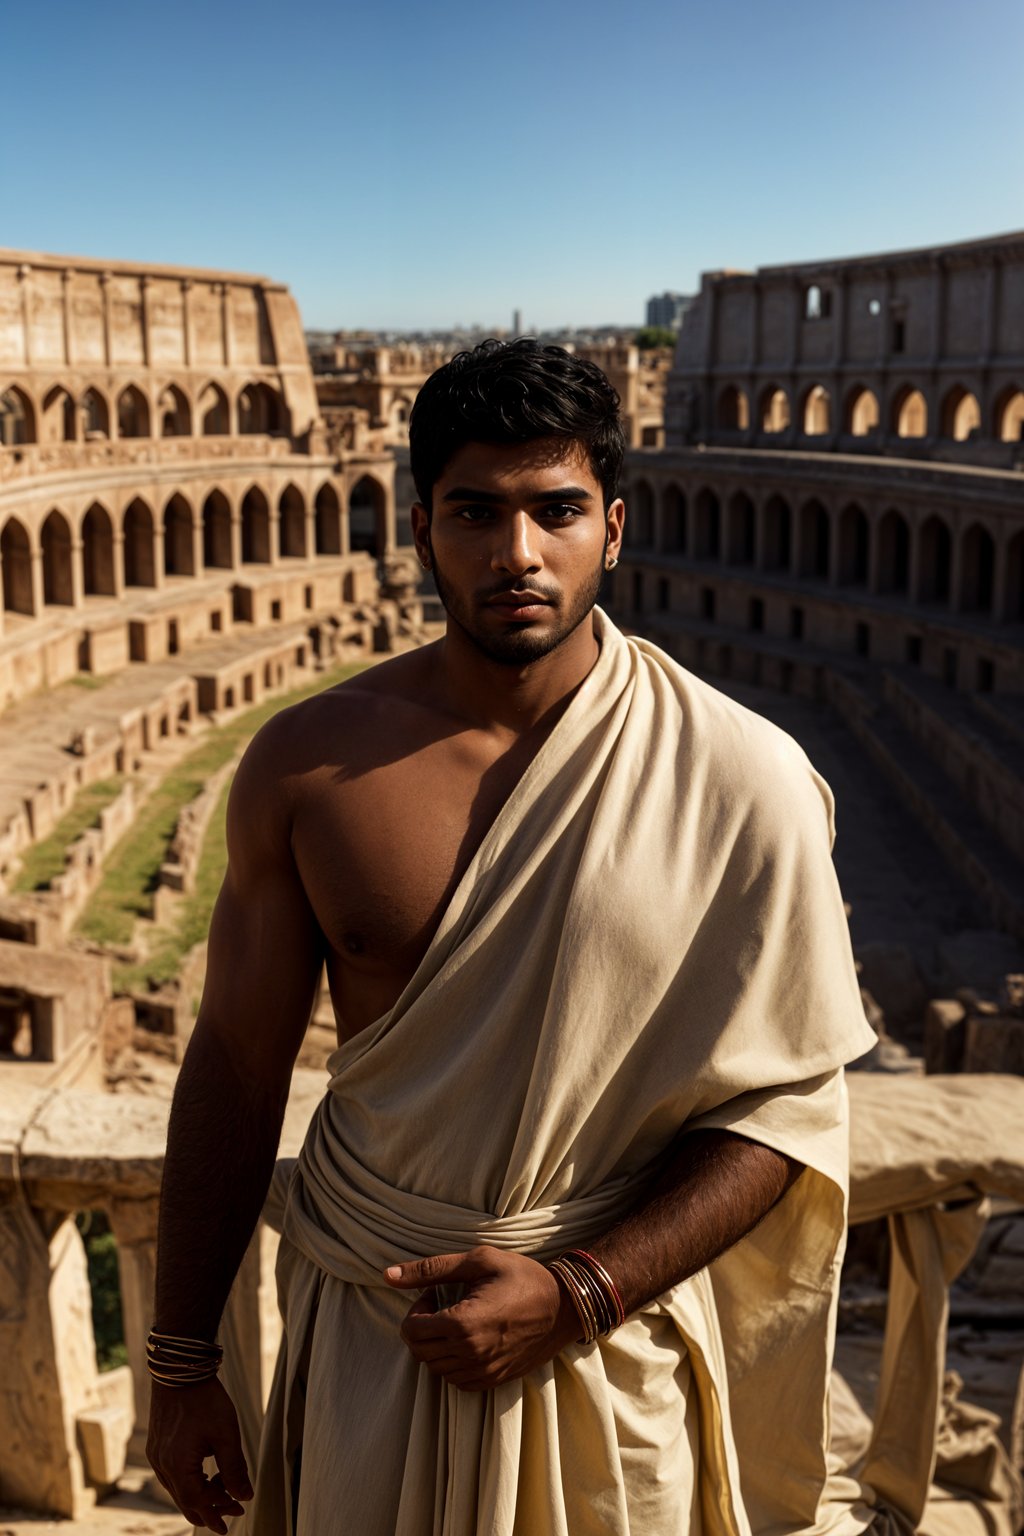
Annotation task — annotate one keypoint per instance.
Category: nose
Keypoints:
(514, 551)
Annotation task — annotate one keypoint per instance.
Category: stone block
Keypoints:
(103, 1435)
(945, 1035)
(891, 976)
(995, 1043)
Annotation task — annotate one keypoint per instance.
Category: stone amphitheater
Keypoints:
(195, 530)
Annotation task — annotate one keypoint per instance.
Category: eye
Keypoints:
(563, 511)
(475, 514)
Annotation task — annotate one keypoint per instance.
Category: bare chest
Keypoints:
(380, 855)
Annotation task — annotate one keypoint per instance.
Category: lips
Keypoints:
(519, 605)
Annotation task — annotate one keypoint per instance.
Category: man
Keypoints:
(594, 992)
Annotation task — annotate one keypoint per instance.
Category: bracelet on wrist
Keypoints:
(592, 1292)
(175, 1361)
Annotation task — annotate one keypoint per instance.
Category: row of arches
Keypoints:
(907, 413)
(99, 554)
(921, 560)
(169, 411)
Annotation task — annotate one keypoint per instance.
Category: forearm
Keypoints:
(714, 1190)
(221, 1145)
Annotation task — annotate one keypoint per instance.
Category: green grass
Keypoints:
(105, 1286)
(41, 863)
(129, 877)
(88, 680)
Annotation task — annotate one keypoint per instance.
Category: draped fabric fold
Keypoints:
(650, 937)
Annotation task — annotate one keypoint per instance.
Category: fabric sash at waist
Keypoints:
(352, 1224)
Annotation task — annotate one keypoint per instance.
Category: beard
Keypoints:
(528, 641)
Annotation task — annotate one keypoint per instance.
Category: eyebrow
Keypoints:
(494, 498)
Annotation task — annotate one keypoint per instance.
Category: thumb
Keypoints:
(437, 1269)
(227, 1451)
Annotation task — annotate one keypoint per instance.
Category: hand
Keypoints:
(187, 1424)
(513, 1316)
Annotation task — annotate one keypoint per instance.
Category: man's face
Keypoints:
(518, 542)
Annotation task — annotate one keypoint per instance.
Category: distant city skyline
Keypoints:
(414, 169)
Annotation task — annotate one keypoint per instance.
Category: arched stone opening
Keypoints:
(1015, 578)
(98, 552)
(95, 414)
(778, 535)
(212, 411)
(260, 409)
(893, 553)
(1009, 416)
(641, 514)
(862, 415)
(815, 541)
(977, 570)
(255, 527)
(17, 418)
(139, 562)
(217, 532)
(328, 520)
(16, 557)
(174, 413)
(367, 528)
(132, 413)
(291, 509)
(817, 413)
(774, 413)
(55, 539)
(673, 511)
(60, 423)
(179, 559)
(935, 561)
(741, 542)
(733, 413)
(909, 414)
(961, 414)
(853, 547)
(708, 525)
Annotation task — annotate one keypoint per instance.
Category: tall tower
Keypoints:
(517, 323)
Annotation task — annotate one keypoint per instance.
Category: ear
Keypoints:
(615, 519)
(421, 534)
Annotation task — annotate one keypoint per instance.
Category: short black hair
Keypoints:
(514, 392)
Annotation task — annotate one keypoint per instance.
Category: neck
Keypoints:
(506, 699)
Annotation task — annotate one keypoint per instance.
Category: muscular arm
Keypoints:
(262, 972)
(514, 1314)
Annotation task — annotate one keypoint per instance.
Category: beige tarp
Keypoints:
(650, 935)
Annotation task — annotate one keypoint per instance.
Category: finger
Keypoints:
(434, 1270)
(431, 1325)
(425, 1305)
(226, 1503)
(198, 1495)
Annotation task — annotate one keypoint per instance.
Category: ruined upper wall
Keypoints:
(944, 322)
(62, 315)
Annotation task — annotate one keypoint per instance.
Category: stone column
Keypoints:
(37, 578)
(311, 531)
(77, 573)
(147, 349)
(759, 535)
(118, 558)
(874, 551)
(274, 519)
(390, 522)
(938, 320)
(25, 292)
(133, 1223)
(49, 1360)
(236, 541)
(835, 549)
(186, 317)
(197, 543)
(105, 289)
(69, 339)
(225, 321)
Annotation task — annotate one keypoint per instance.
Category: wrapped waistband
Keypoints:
(352, 1223)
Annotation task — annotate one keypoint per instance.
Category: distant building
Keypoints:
(668, 309)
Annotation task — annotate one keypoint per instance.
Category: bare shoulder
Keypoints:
(343, 727)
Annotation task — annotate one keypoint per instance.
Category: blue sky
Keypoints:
(412, 165)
